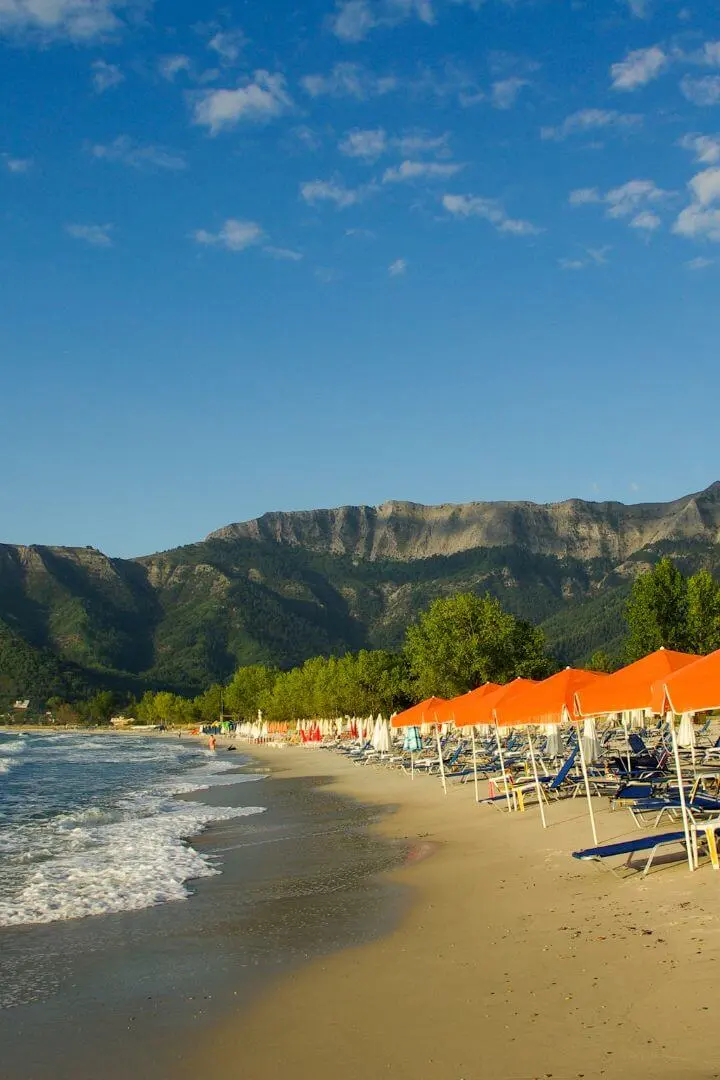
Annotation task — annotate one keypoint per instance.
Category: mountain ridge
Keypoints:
(447, 528)
(289, 585)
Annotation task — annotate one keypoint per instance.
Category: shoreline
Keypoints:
(510, 959)
(130, 993)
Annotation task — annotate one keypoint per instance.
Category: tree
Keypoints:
(703, 613)
(249, 690)
(602, 661)
(464, 640)
(657, 611)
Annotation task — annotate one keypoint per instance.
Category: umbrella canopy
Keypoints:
(590, 744)
(464, 708)
(694, 688)
(485, 711)
(629, 688)
(551, 701)
(422, 713)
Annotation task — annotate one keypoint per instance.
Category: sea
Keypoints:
(150, 888)
(91, 825)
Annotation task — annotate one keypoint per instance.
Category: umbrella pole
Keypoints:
(474, 752)
(583, 765)
(502, 766)
(683, 806)
(537, 779)
(440, 759)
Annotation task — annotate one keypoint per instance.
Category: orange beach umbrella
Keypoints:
(465, 707)
(631, 687)
(551, 701)
(425, 712)
(693, 688)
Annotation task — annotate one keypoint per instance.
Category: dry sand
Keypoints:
(513, 961)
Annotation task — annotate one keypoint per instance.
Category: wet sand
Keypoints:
(512, 961)
(131, 995)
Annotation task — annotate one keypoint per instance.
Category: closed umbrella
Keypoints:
(590, 743)
(412, 744)
(554, 747)
(686, 736)
(382, 743)
(686, 731)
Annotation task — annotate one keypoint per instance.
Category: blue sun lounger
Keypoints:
(632, 847)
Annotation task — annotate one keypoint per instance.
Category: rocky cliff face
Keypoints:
(292, 585)
(407, 531)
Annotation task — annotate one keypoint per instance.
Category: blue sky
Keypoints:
(278, 255)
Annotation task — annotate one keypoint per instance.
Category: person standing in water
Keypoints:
(211, 742)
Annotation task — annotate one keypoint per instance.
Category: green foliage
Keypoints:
(703, 613)
(657, 611)
(602, 661)
(465, 640)
(249, 690)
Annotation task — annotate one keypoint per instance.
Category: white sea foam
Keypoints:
(127, 853)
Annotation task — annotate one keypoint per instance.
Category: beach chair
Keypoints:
(651, 844)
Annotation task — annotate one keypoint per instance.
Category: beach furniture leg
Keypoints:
(583, 765)
(681, 792)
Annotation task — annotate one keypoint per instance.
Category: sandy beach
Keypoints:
(512, 960)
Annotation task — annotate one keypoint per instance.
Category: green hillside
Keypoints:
(73, 619)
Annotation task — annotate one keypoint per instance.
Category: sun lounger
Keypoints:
(651, 843)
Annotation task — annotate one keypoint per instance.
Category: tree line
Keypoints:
(455, 645)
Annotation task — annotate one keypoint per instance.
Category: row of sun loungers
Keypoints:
(635, 773)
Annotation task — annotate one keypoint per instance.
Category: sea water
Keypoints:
(91, 824)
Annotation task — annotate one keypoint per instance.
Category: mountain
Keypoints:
(286, 586)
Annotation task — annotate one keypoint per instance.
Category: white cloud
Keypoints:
(419, 170)
(17, 165)
(349, 80)
(632, 199)
(105, 76)
(170, 66)
(315, 191)
(466, 206)
(80, 21)
(505, 92)
(228, 44)
(368, 145)
(705, 186)
(585, 196)
(709, 55)
(704, 91)
(592, 257)
(259, 101)
(592, 120)
(355, 19)
(284, 254)
(701, 219)
(234, 235)
(126, 152)
(646, 221)
(95, 235)
(706, 148)
(696, 222)
(639, 8)
(700, 263)
(397, 268)
(639, 68)
(414, 144)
